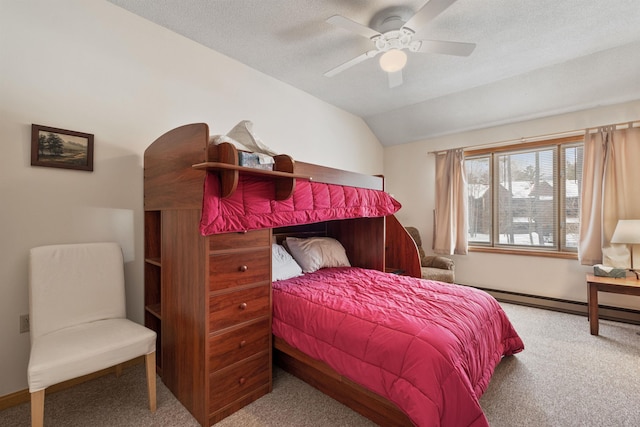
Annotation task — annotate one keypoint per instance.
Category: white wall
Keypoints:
(89, 66)
(410, 177)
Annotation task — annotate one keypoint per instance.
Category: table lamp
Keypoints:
(628, 232)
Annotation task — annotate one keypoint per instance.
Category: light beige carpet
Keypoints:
(565, 377)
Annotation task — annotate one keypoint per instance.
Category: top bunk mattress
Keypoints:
(252, 205)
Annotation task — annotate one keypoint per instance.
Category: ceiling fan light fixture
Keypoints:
(393, 60)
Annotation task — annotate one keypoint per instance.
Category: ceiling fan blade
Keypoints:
(351, 63)
(446, 48)
(428, 12)
(354, 27)
(395, 79)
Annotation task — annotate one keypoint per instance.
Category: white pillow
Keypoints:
(283, 266)
(314, 253)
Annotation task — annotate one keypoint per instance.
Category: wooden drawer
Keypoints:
(249, 239)
(228, 270)
(231, 384)
(236, 307)
(230, 347)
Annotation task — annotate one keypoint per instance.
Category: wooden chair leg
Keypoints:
(150, 362)
(37, 408)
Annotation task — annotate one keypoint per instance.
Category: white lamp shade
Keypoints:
(393, 60)
(627, 231)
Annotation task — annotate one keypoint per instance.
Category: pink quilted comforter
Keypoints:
(252, 206)
(429, 347)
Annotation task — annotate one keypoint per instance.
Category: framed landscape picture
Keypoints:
(60, 148)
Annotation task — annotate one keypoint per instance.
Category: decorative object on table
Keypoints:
(606, 271)
(61, 148)
(627, 232)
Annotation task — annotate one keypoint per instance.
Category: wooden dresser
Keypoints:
(209, 300)
(239, 318)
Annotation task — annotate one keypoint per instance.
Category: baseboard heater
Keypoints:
(616, 314)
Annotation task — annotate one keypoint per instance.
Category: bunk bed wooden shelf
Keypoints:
(229, 170)
(216, 166)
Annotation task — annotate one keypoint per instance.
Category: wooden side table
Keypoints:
(627, 286)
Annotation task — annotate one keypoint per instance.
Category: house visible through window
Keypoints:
(525, 196)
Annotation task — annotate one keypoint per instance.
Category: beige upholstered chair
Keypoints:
(77, 318)
(434, 267)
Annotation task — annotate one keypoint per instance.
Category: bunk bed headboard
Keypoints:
(169, 179)
(362, 238)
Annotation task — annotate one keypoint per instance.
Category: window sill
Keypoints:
(525, 252)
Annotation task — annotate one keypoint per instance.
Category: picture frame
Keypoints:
(61, 148)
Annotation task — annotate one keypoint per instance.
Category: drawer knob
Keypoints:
(242, 380)
(243, 343)
(243, 268)
(243, 306)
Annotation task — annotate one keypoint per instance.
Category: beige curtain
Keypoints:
(610, 189)
(450, 228)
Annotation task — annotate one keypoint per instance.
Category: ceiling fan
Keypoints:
(391, 31)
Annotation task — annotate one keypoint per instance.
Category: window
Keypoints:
(525, 196)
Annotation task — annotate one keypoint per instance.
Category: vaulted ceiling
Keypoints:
(533, 58)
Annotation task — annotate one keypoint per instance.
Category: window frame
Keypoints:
(560, 250)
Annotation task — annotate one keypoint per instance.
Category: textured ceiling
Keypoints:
(534, 58)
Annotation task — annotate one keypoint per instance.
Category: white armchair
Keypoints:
(77, 318)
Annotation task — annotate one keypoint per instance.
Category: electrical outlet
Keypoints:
(24, 323)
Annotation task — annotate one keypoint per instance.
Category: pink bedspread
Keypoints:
(252, 205)
(429, 347)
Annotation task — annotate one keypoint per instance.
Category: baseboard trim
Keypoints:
(617, 314)
(23, 396)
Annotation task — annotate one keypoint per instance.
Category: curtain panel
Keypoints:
(610, 180)
(450, 228)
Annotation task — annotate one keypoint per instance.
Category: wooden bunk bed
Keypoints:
(215, 348)
(177, 272)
